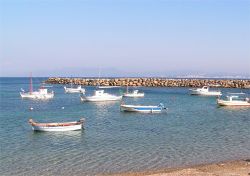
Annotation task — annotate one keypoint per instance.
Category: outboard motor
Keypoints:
(162, 106)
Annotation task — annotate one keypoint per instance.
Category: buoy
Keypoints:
(31, 108)
(62, 107)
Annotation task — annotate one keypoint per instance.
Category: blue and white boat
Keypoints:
(144, 109)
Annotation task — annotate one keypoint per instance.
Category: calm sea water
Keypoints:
(193, 131)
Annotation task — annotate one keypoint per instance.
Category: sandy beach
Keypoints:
(230, 168)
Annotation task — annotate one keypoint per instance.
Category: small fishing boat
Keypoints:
(205, 91)
(234, 99)
(100, 95)
(71, 89)
(144, 109)
(64, 126)
(41, 94)
(134, 93)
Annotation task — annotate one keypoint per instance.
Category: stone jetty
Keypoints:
(153, 82)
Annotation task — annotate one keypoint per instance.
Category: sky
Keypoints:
(124, 37)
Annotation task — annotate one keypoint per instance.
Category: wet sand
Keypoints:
(230, 168)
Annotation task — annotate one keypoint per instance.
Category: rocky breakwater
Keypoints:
(152, 82)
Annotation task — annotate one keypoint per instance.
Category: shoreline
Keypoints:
(226, 168)
(152, 82)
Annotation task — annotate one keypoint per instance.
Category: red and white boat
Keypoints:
(62, 126)
(41, 94)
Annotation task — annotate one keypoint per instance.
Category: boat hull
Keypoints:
(59, 128)
(133, 95)
(65, 126)
(210, 93)
(37, 96)
(108, 87)
(74, 90)
(100, 99)
(232, 103)
(143, 109)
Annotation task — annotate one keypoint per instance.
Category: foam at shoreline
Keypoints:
(239, 168)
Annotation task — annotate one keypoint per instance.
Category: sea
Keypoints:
(193, 130)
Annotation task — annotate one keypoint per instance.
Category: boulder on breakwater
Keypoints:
(152, 82)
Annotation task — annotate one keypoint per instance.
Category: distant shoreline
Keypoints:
(238, 167)
(152, 82)
(118, 77)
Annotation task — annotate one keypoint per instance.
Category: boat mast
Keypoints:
(31, 86)
(71, 82)
(127, 85)
(98, 80)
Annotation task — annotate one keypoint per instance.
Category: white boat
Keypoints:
(234, 100)
(134, 93)
(205, 91)
(99, 95)
(42, 93)
(79, 89)
(65, 126)
(144, 109)
(108, 87)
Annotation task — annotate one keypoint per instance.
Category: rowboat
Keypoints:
(134, 93)
(144, 109)
(79, 89)
(99, 95)
(63, 126)
(205, 91)
(41, 94)
(234, 99)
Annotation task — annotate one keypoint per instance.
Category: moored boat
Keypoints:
(134, 93)
(144, 109)
(78, 89)
(108, 87)
(234, 99)
(100, 95)
(63, 126)
(42, 93)
(205, 91)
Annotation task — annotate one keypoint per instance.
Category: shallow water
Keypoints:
(193, 131)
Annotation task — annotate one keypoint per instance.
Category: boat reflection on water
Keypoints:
(104, 103)
(234, 108)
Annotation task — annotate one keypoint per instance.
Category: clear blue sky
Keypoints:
(56, 37)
